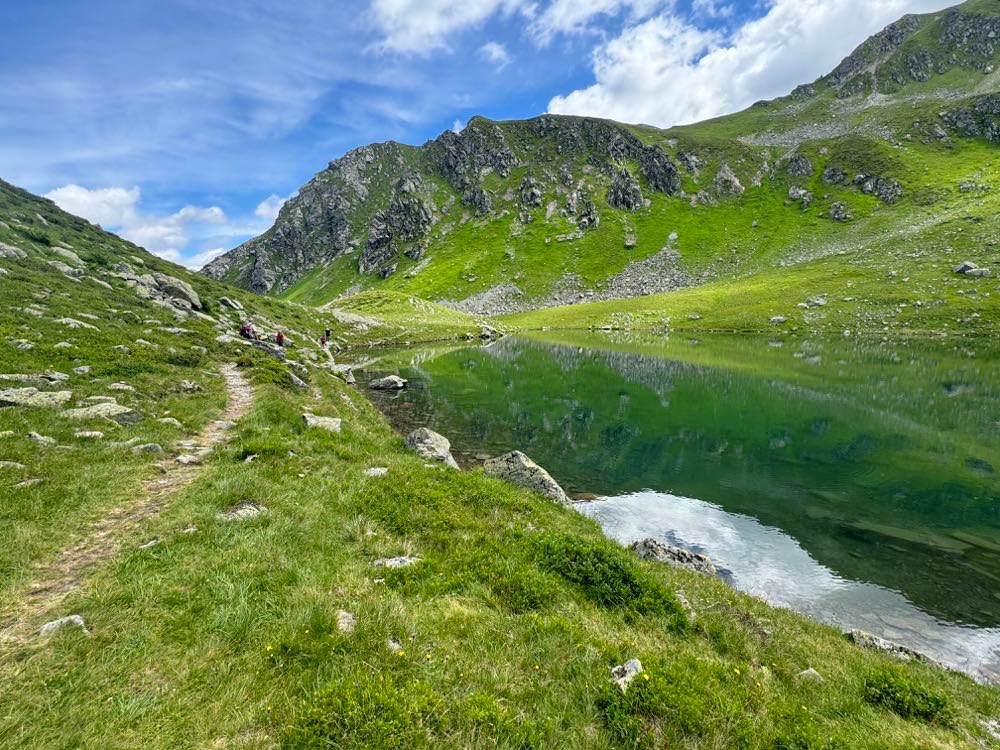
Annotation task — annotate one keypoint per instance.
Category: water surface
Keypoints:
(854, 481)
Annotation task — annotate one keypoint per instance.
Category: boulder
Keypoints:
(432, 446)
(875, 643)
(179, 291)
(652, 549)
(809, 675)
(518, 469)
(623, 674)
(70, 621)
(242, 511)
(41, 439)
(839, 212)
(388, 383)
(625, 192)
(147, 448)
(324, 423)
(968, 268)
(33, 397)
(170, 421)
(231, 303)
(727, 183)
(122, 415)
(800, 166)
(403, 561)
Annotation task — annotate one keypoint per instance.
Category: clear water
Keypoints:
(853, 481)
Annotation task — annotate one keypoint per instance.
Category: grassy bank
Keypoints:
(501, 636)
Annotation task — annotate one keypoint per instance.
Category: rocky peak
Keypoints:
(625, 192)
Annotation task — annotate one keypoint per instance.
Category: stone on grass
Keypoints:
(122, 349)
(777, 320)
(11, 465)
(188, 459)
(62, 345)
(33, 397)
(432, 446)
(623, 674)
(170, 421)
(518, 469)
(965, 266)
(872, 642)
(70, 621)
(402, 561)
(150, 544)
(230, 303)
(242, 511)
(388, 383)
(376, 471)
(115, 412)
(346, 622)
(89, 435)
(147, 448)
(189, 386)
(41, 439)
(652, 549)
(74, 323)
(119, 386)
(297, 381)
(809, 675)
(324, 423)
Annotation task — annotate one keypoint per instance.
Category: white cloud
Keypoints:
(170, 236)
(665, 71)
(421, 26)
(495, 53)
(457, 126)
(267, 210)
(574, 16)
(109, 207)
(712, 8)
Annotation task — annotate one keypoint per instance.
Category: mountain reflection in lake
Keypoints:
(852, 481)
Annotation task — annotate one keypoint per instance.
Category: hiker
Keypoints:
(247, 331)
(280, 338)
(322, 341)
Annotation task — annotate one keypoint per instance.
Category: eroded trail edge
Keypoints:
(62, 574)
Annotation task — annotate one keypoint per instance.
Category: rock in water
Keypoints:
(875, 643)
(518, 469)
(324, 423)
(651, 549)
(33, 397)
(115, 412)
(389, 383)
(431, 445)
(623, 674)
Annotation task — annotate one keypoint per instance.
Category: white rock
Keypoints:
(325, 423)
(518, 469)
(389, 383)
(432, 446)
(89, 435)
(623, 674)
(402, 561)
(73, 621)
(243, 511)
(115, 412)
(346, 622)
(33, 397)
(376, 471)
(809, 675)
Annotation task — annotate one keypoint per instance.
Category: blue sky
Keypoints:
(183, 124)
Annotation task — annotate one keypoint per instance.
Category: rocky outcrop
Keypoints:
(160, 287)
(518, 469)
(981, 118)
(799, 166)
(727, 183)
(625, 192)
(652, 549)
(886, 189)
(530, 192)
(432, 446)
(839, 212)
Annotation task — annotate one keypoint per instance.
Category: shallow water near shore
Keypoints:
(854, 481)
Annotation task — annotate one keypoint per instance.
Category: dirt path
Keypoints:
(64, 573)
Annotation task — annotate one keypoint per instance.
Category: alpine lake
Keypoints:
(852, 480)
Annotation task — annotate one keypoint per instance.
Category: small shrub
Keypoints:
(900, 693)
(607, 574)
(265, 369)
(375, 712)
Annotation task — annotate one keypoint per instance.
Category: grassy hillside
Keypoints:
(208, 632)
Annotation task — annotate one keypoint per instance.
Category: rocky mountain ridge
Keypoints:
(469, 211)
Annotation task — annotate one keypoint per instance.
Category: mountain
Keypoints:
(508, 216)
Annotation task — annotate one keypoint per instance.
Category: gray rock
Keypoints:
(89, 435)
(346, 622)
(70, 621)
(64, 269)
(231, 303)
(623, 674)
(388, 383)
(119, 386)
(432, 446)
(297, 381)
(122, 348)
(809, 675)
(800, 166)
(875, 643)
(122, 415)
(651, 549)
(727, 183)
(839, 212)
(179, 291)
(41, 439)
(778, 320)
(188, 459)
(9, 251)
(331, 424)
(375, 471)
(147, 448)
(518, 469)
(625, 192)
(74, 323)
(11, 465)
(32, 397)
(242, 511)
(170, 421)
(403, 561)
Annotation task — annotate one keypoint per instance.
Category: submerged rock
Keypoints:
(432, 446)
(389, 383)
(518, 469)
(652, 549)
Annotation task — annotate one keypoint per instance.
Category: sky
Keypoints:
(183, 125)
